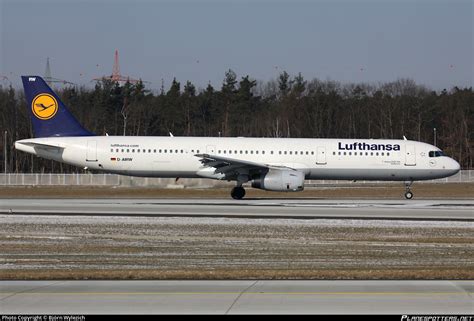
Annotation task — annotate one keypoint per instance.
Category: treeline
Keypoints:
(288, 106)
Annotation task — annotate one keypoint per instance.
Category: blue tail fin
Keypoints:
(49, 115)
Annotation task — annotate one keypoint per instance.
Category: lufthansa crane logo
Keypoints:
(44, 106)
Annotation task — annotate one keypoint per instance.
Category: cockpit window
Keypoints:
(436, 153)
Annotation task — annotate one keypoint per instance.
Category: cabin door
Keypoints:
(91, 151)
(410, 156)
(321, 156)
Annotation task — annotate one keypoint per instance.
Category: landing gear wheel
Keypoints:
(237, 193)
(408, 193)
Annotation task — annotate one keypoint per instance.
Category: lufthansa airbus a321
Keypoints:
(273, 164)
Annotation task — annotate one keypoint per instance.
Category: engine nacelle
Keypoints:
(280, 180)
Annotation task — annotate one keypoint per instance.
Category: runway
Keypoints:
(236, 297)
(221, 239)
(250, 208)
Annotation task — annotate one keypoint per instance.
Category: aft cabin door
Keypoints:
(410, 156)
(91, 151)
(321, 156)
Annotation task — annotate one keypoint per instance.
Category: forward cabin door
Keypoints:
(91, 151)
(410, 156)
(321, 156)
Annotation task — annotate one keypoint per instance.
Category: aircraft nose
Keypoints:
(454, 166)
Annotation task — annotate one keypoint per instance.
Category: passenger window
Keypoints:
(312, 153)
(128, 150)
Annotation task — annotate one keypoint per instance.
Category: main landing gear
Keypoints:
(408, 192)
(237, 193)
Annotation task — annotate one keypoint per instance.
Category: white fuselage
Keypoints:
(345, 159)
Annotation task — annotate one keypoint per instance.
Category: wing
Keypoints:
(231, 167)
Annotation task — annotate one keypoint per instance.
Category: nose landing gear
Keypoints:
(408, 192)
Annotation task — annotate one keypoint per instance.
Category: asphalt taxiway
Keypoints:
(249, 208)
(236, 297)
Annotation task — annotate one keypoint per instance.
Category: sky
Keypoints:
(350, 41)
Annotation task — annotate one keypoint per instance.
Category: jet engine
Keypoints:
(280, 180)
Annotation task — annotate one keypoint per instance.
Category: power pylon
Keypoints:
(50, 80)
(116, 76)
